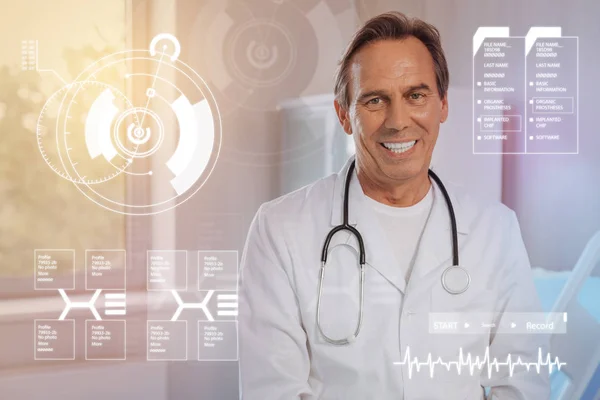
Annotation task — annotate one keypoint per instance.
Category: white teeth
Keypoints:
(399, 147)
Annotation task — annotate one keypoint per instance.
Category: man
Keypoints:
(298, 341)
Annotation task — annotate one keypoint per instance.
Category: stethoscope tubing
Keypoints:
(362, 256)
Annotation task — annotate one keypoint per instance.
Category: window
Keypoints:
(39, 208)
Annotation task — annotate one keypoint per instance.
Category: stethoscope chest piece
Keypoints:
(456, 279)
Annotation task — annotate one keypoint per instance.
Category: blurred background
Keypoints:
(280, 132)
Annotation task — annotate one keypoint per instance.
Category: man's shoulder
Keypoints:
(302, 200)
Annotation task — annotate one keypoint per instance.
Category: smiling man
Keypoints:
(313, 326)
(394, 106)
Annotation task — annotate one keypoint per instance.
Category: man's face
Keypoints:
(393, 103)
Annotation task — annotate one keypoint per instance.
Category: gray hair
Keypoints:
(392, 25)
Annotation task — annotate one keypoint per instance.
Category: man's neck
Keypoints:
(403, 194)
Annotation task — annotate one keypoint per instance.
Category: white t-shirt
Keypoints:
(403, 226)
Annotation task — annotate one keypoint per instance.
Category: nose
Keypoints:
(398, 116)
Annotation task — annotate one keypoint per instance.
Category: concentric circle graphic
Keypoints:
(259, 54)
(259, 60)
(162, 134)
(137, 135)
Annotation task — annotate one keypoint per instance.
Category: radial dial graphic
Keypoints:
(143, 118)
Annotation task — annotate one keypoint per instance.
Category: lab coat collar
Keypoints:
(436, 244)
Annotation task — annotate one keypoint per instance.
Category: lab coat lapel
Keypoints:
(379, 254)
(435, 248)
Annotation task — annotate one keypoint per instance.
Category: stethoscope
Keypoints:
(455, 279)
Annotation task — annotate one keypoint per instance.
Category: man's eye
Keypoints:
(416, 96)
(375, 101)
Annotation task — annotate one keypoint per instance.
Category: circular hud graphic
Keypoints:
(140, 127)
(260, 53)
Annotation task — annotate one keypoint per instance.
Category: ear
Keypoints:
(343, 116)
(444, 114)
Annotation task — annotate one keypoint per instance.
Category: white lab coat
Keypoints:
(282, 354)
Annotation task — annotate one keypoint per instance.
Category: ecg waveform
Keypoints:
(462, 363)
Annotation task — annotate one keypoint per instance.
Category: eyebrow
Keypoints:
(383, 93)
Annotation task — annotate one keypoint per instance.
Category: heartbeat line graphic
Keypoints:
(478, 363)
